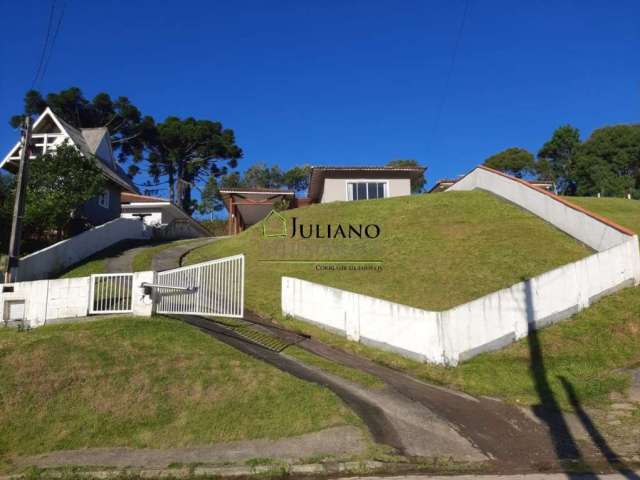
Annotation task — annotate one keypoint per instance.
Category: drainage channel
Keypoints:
(255, 335)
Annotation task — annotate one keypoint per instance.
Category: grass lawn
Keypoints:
(437, 250)
(620, 210)
(474, 232)
(145, 383)
(587, 350)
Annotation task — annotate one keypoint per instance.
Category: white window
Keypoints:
(103, 199)
(366, 190)
(44, 143)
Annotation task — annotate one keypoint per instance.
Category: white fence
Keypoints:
(111, 293)
(212, 288)
(56, 258)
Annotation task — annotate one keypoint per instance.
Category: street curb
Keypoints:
(274, 470)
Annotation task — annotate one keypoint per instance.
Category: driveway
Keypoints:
(172, 257)
(165, 259)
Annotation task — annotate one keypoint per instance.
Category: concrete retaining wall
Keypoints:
(497, 319)
(49, 299)
(591, 229)
(484, 324)
(409, 331)
(46, 300)
(56, 258)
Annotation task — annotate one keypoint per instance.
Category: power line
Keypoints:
(454, 56)
(46, 43)
(53, 41)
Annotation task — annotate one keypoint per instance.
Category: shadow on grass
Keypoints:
(549, 410)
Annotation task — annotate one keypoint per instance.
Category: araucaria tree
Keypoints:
(59, 183)
(129, 130)
(186, 151)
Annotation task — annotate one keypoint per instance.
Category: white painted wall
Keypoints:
(55, 258)
(485, 324)
(47, 300)
(573, 221)
(335, 189)
(409, 331)
(494, 320)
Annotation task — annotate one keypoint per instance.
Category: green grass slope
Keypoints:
(437, 251)
(145, 383)
(620, 210)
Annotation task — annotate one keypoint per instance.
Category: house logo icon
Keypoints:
(274, 225)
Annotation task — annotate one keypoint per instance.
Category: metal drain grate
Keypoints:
(263, 339)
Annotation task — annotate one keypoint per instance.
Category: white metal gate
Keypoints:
(111, 293)
(211, 288)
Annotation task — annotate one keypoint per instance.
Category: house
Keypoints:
(160, 212)
(333, 184)
(49, 131)
(248, 206)
(443, 184)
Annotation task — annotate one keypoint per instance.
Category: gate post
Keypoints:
(142, 303)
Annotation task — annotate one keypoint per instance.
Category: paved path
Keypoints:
(627, 475)
(172, 257)
(393, 419)
(514, 438)
(123, 262)
(165, 259)
(336, 441)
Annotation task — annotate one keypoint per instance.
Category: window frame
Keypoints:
(366, 181)
(106, 195)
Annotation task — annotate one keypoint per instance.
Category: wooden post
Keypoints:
(18, 206)
(230, 218)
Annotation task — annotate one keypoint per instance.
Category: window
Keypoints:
(43, 143)
(103, 199)
(366, 190)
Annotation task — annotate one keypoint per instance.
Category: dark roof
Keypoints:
(87, 140)
(444, 183)
(440, 184)
(318, 174)
(257, 190)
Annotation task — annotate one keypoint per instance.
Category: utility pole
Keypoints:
(18, 207)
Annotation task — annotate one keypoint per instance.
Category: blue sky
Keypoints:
(343, 82)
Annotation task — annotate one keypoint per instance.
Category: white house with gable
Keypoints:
(49, 131)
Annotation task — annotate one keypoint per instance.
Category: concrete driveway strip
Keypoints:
(392, 419)
(500, 431)
(336, 441)
(172, 257)
(123, 262)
